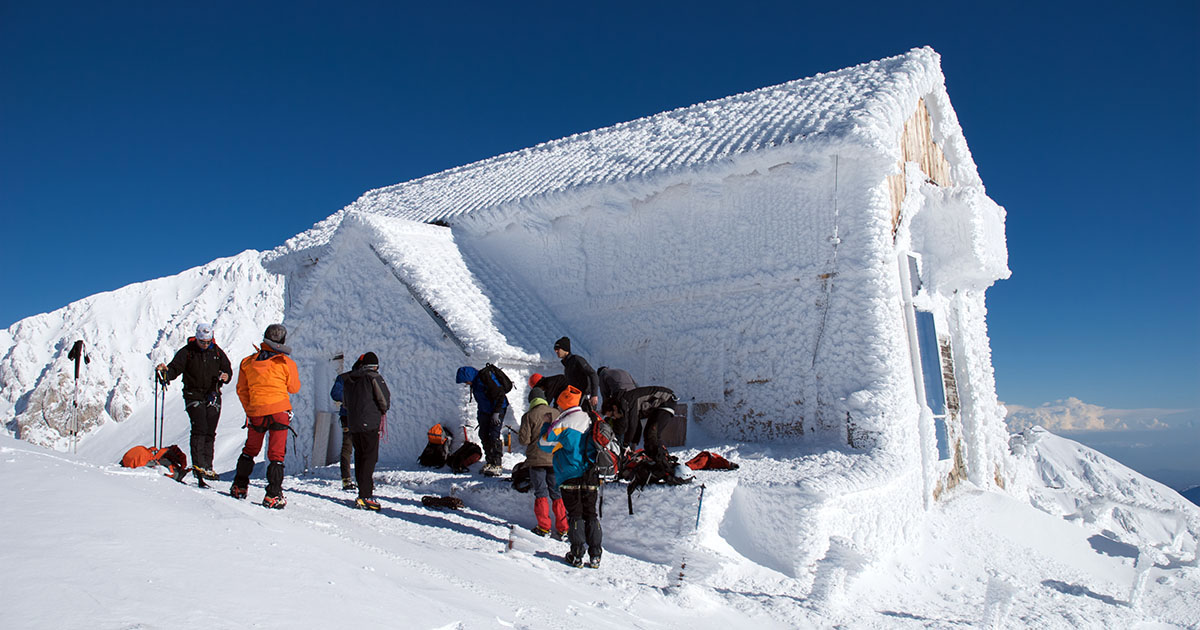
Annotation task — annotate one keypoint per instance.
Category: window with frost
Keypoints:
(931, 377)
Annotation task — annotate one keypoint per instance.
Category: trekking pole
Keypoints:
(154, 429)
(76, 354)
(699, 507)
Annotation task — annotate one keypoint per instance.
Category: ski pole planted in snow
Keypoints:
(76, 354)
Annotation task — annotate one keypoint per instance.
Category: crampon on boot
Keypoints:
(574, 560)
(275, 503)
(237, 492)
(367, 504)
(348, 483)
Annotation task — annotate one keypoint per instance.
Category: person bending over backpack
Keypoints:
(367, 400)
(205, 368)
(569, 440)
(541, 468)
(265, 381)
(653, 406)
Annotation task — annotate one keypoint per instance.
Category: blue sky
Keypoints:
(138, 139)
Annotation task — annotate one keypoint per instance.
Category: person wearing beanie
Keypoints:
(551, 386)
(347, 452)
(579, 373)
(367, 400)
(567, 438)
(205, 368)
(546, 496)
(266, 380)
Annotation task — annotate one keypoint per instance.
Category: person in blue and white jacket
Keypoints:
(567, 438)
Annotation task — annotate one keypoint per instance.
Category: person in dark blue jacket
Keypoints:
(490, 413)
(347, 443)
(569, 440)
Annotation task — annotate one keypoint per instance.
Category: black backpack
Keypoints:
(495, 383)
(466, 455)
(438, 449)
(520, 477)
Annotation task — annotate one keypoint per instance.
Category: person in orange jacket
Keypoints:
(265, 381)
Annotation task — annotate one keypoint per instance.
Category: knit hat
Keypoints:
(564, 343)
(276, 333)
(204, 331)
(534, 379)
(368, 358)
(569, 397)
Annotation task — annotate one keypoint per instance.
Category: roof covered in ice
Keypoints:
(865, 105)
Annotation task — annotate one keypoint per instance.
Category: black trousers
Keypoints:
(585, 532)
(204, 417)
(653, 434)
(366, 455)
(347, 453)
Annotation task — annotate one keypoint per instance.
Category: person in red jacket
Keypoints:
(265, 381)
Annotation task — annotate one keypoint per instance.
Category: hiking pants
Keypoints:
(653, 434)
(580, 501)
(543, 482)
(256, 429)
(366, 455)
(347, 450)
(490, 426)
(204, 416)
(548, 507)
(259, 426)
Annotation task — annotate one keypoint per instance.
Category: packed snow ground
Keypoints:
(97, 546)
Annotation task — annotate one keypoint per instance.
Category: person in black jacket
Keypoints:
(653, 405)
(367, 399)
(550, 386)
(614, 383)
(347, 452)
(579, 373)
(205, 368)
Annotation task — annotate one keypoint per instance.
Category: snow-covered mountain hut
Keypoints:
(804, 264)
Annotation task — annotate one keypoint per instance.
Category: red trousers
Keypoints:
(257, 428)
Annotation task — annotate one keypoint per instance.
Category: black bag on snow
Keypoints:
(466, 455)
(520, 478)
(495, 382)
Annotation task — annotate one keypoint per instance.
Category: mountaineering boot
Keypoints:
(211, 475)
(540, 532)
(367, 504)
(559, 535)
(594, 562)
(491, 470)
(237, 492)
(348, 483)
(276, 503)
(574, 560)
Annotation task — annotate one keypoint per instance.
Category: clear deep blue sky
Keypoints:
(138, 139)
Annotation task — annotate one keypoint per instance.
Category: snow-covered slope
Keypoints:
(126, 333)
(121, 548)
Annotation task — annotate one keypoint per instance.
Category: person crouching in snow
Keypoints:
(367, 399)
(541, 467)
(265, 381)
(567, 438)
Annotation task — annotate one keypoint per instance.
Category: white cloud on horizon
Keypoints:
(1073, 414)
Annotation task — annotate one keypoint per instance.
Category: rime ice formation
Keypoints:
(805, 265)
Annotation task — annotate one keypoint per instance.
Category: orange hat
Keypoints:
(569, 397)
(534, 379)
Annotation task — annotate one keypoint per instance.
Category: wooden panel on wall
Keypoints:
(917, 145)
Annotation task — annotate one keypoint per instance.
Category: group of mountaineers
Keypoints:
(561, 429)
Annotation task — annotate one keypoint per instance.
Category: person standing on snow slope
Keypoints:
(489, 414)
(568, 439)
(367, 400)
(347, 443)
(205, 368)
(546, 496)
(265, 381)
(579, 373)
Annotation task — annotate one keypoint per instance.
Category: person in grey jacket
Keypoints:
(546, 496)
(367, 400)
